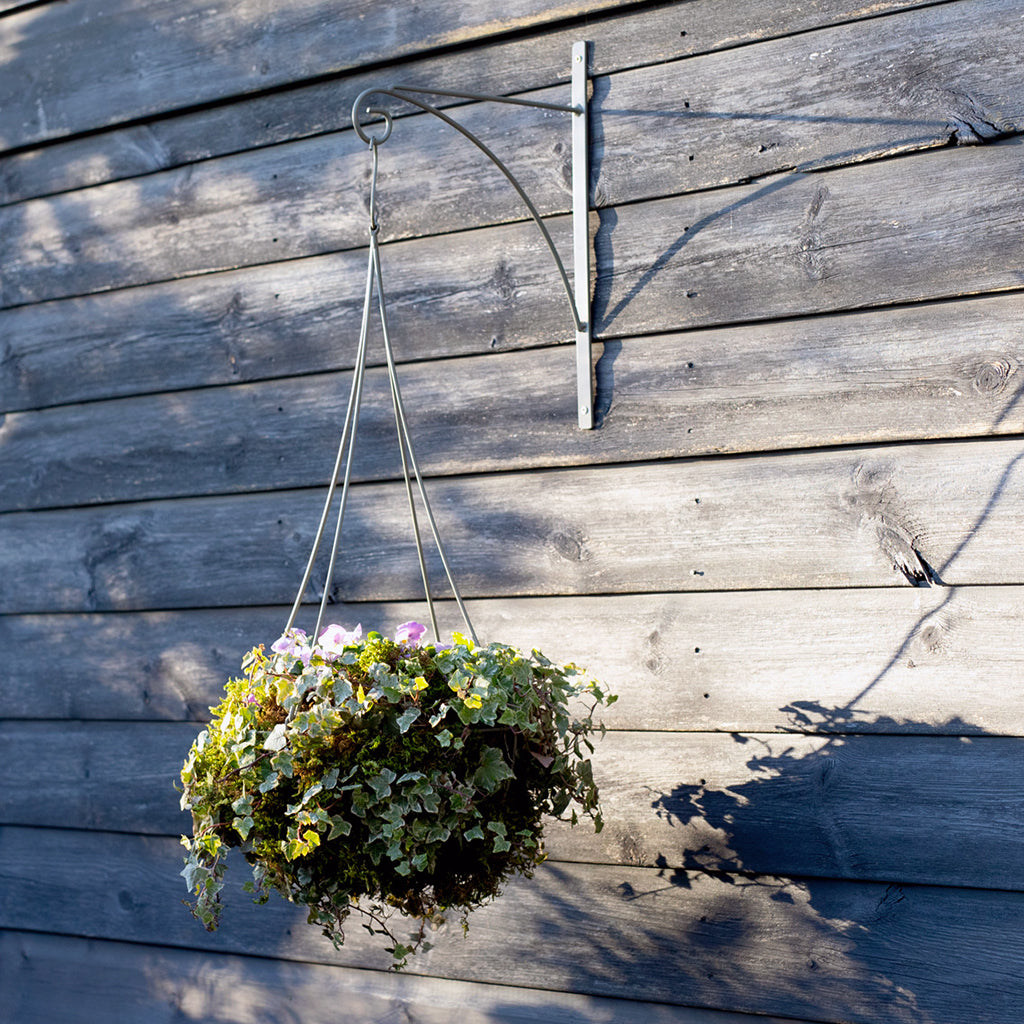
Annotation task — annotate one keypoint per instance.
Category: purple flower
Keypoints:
(294, 643)
(409, 633)
(334, 639)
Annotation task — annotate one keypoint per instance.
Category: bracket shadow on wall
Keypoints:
(579, 301)
(579, 292)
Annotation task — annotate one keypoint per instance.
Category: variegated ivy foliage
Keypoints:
(384, 775)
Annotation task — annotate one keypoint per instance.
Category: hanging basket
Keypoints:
(387, 775)
(383, 775)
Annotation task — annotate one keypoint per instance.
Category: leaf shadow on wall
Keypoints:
(859, 866)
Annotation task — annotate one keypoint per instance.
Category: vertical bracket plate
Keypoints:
(581, 236)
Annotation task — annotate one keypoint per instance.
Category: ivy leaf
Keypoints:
(277, 739)
(339, 827)
(242, 806)
(243, 825)
(381, 783)
(406, 718)
(192, 872)
(492, 771)
(312, 792)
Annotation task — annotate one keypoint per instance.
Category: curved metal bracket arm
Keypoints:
(579, 292)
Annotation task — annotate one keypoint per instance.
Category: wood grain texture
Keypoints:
(937, 371)
(922, 809)
(159, 55)
(801, 244)
(48, 978)
(645, 36)
(762, 945)
(755, 256)
(846, 94)
(908, 660)
(882, 517)
(806, 243)
(841, 95)
(485, 292)
(903, 809)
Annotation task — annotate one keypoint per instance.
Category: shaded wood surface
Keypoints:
(854, 807)
(906, 660)
(841, 95)
(308, 198)
(188, 59)
(943, 370)
(445, 298)
(920, 809)
(161, 55)
(646, 36)
(812, 777)
(894, 953)
(808, 243)
(157, 985)
(870, 517)
(802, 243)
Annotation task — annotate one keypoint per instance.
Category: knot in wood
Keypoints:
(931, 638)
(570, 545)
(991, 378)
(503, 282)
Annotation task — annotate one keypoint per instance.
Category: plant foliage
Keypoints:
(383, 775)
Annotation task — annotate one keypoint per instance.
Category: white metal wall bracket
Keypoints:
(579, 291)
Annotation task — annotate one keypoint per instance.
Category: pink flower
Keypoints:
(409, 633)
(334, 639)
(294, 643)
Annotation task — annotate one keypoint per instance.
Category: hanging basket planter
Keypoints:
(383, 775)
(387, 775)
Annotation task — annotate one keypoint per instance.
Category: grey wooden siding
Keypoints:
(790, 545)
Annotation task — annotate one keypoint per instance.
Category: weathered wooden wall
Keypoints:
(790, 545)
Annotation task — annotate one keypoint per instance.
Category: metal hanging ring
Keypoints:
(370, 139)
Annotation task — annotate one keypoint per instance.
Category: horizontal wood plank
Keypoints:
(809, 243)
(160, 55)
(487, 292)
(922, 809)
(793, 108)
(747, 254)
(48, 978)
(854, 807)
(944, 370)
(639, 37)
(872, 517)
(818, 950)
(907, 660)
(841, 95)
